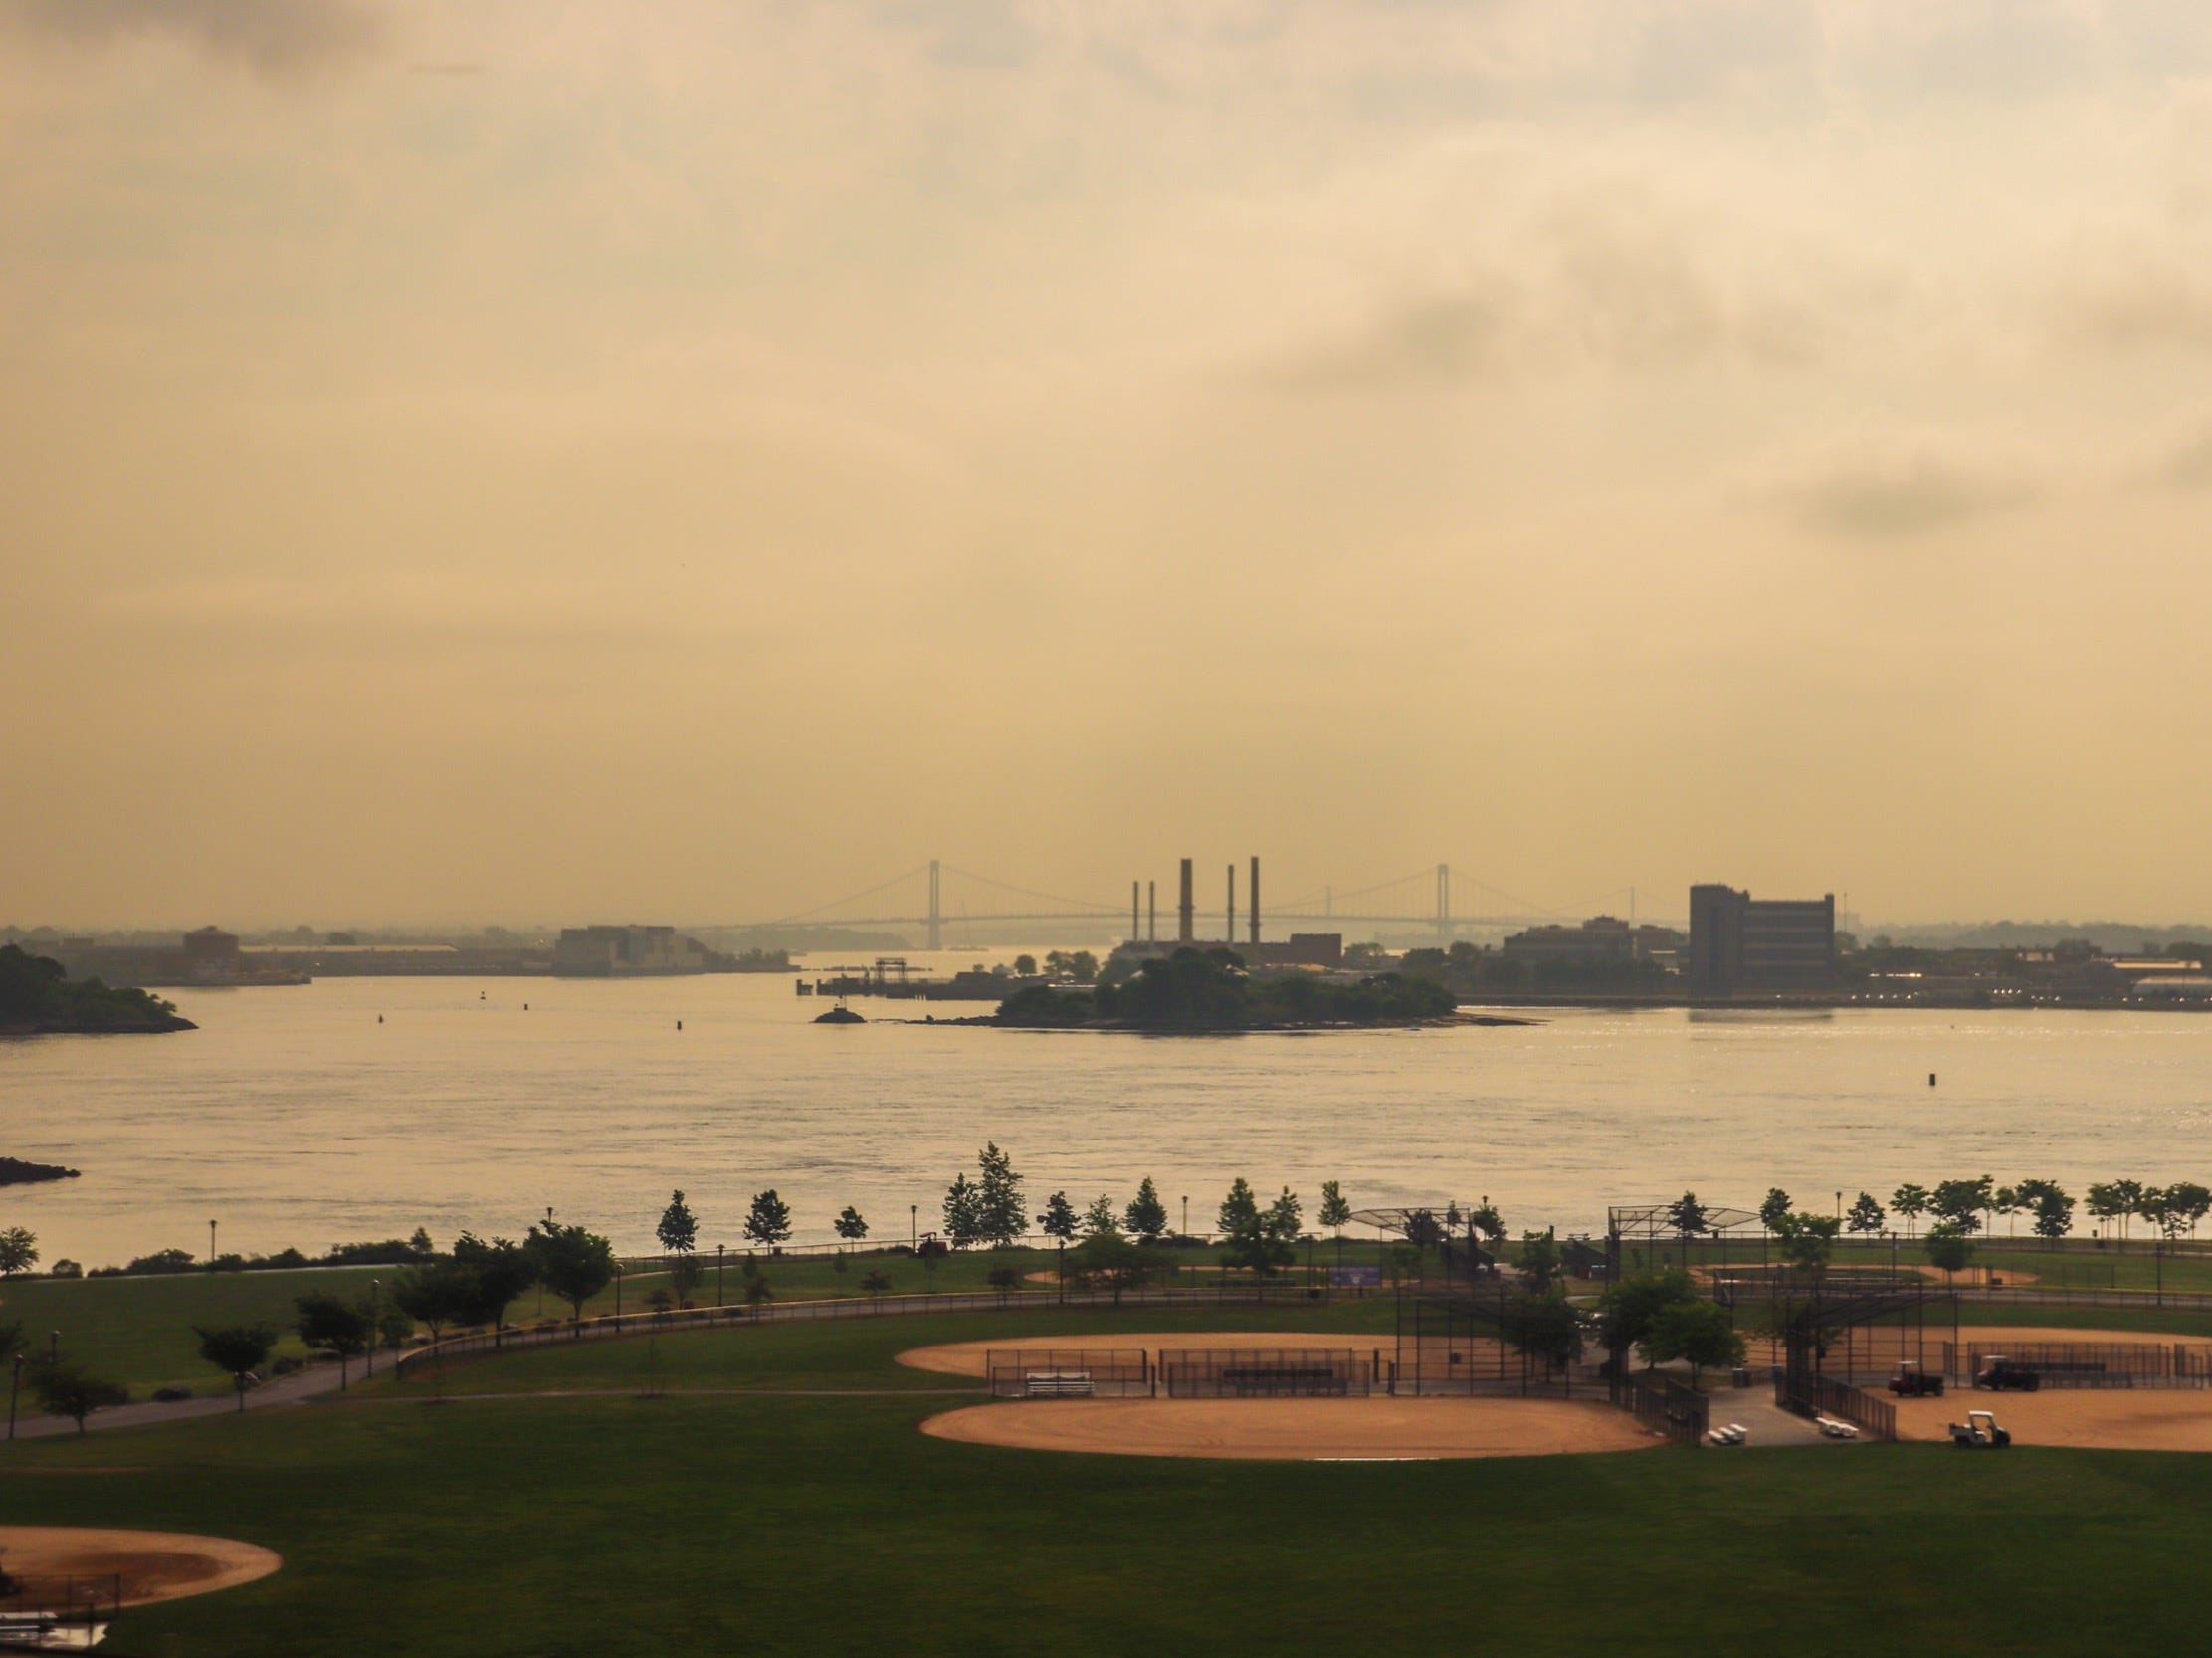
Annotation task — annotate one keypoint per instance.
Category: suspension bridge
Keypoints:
(942, 898)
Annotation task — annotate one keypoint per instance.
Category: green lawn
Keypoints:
(140, 1330)
(612, 1527)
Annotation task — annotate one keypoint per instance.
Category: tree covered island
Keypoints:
(38, 998)
(1196, 991)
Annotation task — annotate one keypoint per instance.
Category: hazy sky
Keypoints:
(578, 461)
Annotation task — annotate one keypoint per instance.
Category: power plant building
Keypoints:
(1739, 943)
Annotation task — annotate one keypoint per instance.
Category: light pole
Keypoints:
(618, 1294)
(1186, 1214)
(719, 1249)
(369, 1368)
(211, 1246)
(913, 1219)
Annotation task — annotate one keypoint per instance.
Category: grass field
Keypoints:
(615, 1526)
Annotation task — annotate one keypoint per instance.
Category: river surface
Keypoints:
(293, 1118)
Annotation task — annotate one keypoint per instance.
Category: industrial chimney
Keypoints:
(1184, 934)
(1251, 899)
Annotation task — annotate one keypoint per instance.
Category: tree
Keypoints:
(1146, 1216)
(335, 1324)
(574, 1263)
(1631, 1308)
(1962, 1203)
(2008, 1203)
(492, 1275)
(1026, 966)
(1777, 1205)
(1001, 1215)
(850, 1225)
(1100, 1219)
(679, 1228)
(433, 1295)
(1911, 1202)
(1864, 1214)
(2106, 1202)
(1423, 1230)
(66, 1388)
(1539, 1260)
(2189, 1200)
(1488, 1221)
(19, 1250)
(1059, 1219)
(1544, 1327)
(1334, 1213)
(1004, 1280)
(237, 1349)
(1808, 1241)
(768, 1222)
(1948, 1247)
(963, 1212)
(1688, 1216)
(1263, 1238)
(1701, 1331)
(2054, 1212)
(1108, 1259)
(1239, 1208)
(876, 1283)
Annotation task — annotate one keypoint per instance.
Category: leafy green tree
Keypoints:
(1808, 1241)
(433, 1294)
(1100, 1220)
(334, 1325)
(237, 1349)
(1539, 1260)
(1487, 1220)
(1962, 1203)
(1108, 1261)
(1025, 966)
(850, 1225)
(1688, 1216)
(394, 1328)
(1911, 1202)
(679, 1227)
(1948, 1247)
(768, 1221)
(1059, 1219)
(492, 1273)
(1423, 1230)
(1263, 1239)
(1004, 1280)
(1146, 1216)
(576, 1263)
(2007, 1203)
(64, 1387)
(1401, 1262)
(2108, 1202)
(1631, 1307)
(2190, 1201)
(963, 1212)
(1701, 1331)
(2053, 1214)
(1238, 1209)
(1864, 1214)
(1544, 1327)
(19, 1250)
(1774, 1207)
(1334, 1213)
(1000, 1212)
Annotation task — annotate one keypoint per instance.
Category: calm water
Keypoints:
(293, 1118)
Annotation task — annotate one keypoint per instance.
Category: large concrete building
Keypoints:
(1601, 939)
(625, 951)
(1739, 943)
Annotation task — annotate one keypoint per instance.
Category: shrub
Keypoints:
(66, 1268)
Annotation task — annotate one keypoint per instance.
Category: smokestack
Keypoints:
(1134, 934)
(1252, 900)
(1152, 911)
(1229, 933)
(1183, 931)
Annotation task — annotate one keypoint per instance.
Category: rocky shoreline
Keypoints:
(14, 1171)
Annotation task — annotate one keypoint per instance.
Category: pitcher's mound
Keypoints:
(153, 1565)
(1305, 1430)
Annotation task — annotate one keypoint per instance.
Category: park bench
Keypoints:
(1057, 1385)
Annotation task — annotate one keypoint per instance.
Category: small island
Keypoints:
(1193, 991)
(15, 1172)
(38, 998)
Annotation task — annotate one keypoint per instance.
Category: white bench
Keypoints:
(1057, 1385)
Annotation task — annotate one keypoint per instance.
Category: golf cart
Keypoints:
(1979, 1432)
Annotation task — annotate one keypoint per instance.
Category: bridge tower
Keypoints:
(1443, 906)
(937, 910)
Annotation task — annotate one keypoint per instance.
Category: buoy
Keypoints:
(525, 1007)
(1931, 1079)
(679, 1024)
(380, 1018)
